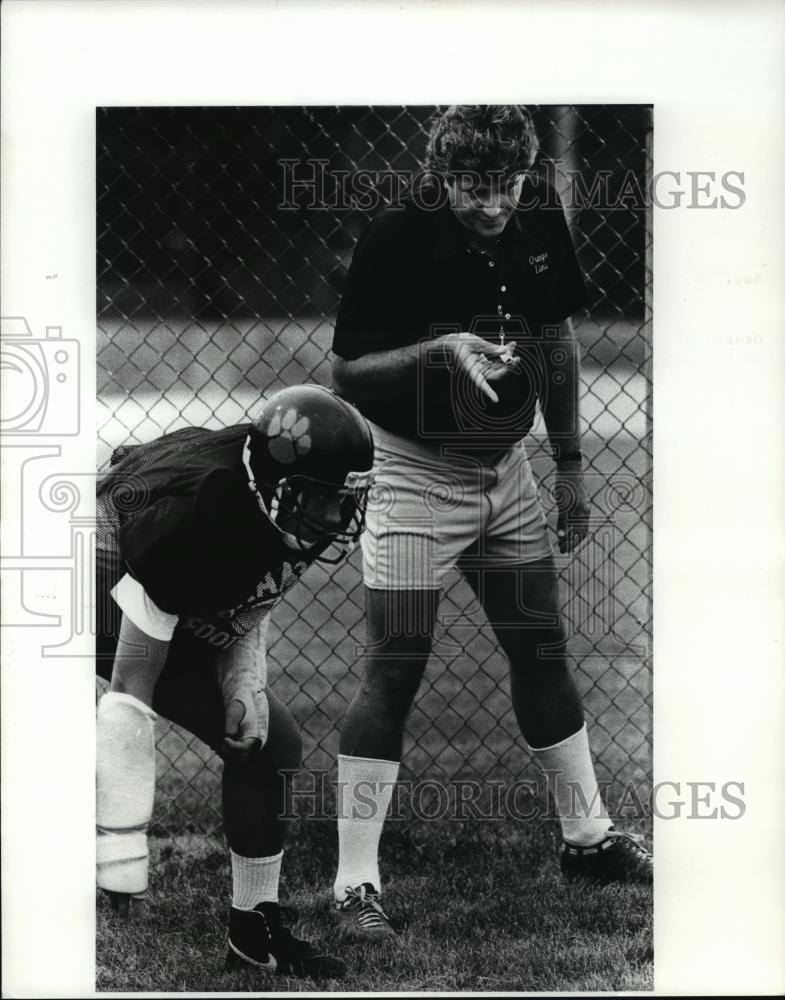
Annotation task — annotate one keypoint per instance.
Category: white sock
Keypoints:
(581, 811)
(365, 788)
(255, 880)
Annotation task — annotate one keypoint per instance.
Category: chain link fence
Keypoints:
(224, 235)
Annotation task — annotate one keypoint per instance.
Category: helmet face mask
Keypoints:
(309, 459)
(296, 503)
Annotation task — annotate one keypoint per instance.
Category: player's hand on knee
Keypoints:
(129, 907)
(247, 723)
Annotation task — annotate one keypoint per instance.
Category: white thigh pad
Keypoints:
(125, 782)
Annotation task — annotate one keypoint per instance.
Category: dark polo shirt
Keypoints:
(414, 276)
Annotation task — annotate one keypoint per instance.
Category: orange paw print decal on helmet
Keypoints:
(288, 436)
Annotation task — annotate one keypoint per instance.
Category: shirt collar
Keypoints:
(449, 236)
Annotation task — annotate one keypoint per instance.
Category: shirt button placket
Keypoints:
(499, 308)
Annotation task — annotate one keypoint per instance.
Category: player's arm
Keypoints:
(242, 676)
(138, 662)
(559, 400)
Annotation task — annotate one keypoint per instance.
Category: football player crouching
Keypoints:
(200, 533)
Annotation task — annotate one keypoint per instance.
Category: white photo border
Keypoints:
(713, 74)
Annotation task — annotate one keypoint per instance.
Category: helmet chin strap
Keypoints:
(273, 512)
(291, 538)
(275, 500)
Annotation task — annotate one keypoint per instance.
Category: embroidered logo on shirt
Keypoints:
(539, 261)
(289, 436)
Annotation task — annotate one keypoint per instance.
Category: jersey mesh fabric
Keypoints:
(177, 514)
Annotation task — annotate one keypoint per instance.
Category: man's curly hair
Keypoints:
(481, 139)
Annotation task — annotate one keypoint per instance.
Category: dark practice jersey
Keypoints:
(177, 514)
(415, 276)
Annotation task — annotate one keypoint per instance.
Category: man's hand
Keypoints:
(482, 361)
(572, 525)
(247, 723)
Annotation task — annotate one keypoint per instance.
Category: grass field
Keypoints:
(484, 907)
(487, 909)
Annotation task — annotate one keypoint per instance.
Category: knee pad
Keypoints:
(125, 787)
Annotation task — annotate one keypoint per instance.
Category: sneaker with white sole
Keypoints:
(258, 938)
(360, 914)
(620, 857)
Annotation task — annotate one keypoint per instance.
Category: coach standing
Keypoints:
(454, 323)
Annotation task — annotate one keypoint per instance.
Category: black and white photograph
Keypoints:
(425, 330)
(391, 535)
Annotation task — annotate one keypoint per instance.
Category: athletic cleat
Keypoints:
(621, 857)
(129, 907)
(258, 938)
(361, 916)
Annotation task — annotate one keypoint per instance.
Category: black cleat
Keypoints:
(129, 907)
(620, 857)
(258, 938)
(360, 915)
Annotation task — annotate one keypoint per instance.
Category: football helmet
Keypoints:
(306, 444)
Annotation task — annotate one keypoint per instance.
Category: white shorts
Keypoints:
(428, 513)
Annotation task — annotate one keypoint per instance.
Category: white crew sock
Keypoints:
(581, 811)
(365, 789)
(255, 880)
